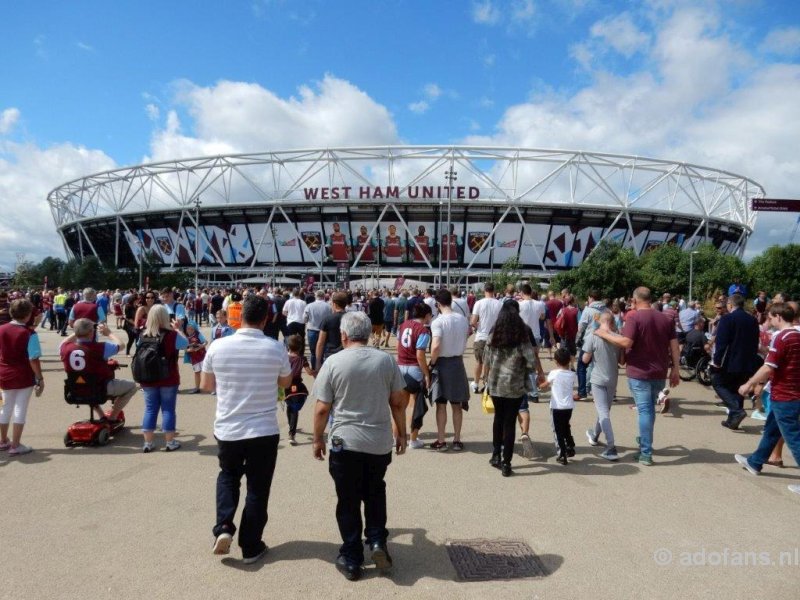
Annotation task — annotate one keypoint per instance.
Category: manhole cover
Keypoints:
(482, 560)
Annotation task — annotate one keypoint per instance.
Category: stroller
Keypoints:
(80, 388)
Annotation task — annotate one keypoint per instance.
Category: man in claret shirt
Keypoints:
(365, 242)
(393, 246)
(422, 247)
(782, 368)
(450, 245)
(338, 246)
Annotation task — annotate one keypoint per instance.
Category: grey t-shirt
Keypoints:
(358, 382)
(605, 356)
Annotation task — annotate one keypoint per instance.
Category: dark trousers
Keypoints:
(61, 322)
(561, 427)
(359, 479)
(254, 458)
(581, 370)
(297, 329)
(726, 385)
(132, 336)
(504, 427)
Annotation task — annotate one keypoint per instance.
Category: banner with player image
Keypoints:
(338, 246)
(423, 243)
(392, 243)
(361, 239)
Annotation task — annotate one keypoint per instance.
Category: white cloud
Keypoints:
(489, 60)
(784, 41)
(8, 118)
(39, 46)
(419, 108)
(152, 111)
(245, 117)
(701, 98)
(523, 10)
(485, 13)
(621, 34)
(432, 91)
(86, 47)
(27, 174)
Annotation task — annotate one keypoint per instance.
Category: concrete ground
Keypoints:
(112, 522)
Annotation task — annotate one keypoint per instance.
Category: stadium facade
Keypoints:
(411, 211)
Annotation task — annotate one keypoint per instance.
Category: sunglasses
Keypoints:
(149, 297)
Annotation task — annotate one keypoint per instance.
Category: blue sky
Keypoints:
(86, 86)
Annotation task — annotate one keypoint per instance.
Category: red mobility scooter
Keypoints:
(89, 390)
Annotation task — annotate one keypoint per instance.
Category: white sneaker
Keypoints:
(591, 437)
(20, 450)
(474, 387)
(222, 545)
(527, 446)
(742, 460)
(795, 489)
(758, 415)
(172, 445)
(416, 444)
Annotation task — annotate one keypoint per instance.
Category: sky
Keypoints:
(87, 86)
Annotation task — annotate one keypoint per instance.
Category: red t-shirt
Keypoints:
(421, 247)
(15, 367)
(338, 246)
(408, 335)
(570, 322)
(393, 247)
(553, 306)
(86, 357)
(364, 241)
(171, 354)
(651, 332)
(784, 358)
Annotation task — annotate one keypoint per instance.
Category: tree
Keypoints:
(610, 269)
(714, 271)
(777, 270)
(509, 273)
(665, 268)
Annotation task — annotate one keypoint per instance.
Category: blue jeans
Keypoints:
(783, 420)
(159, 398)
(645, 393)
(581, 371)
(313, 336)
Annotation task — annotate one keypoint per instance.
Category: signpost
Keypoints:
(775, 205)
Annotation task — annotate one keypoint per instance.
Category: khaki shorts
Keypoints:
(478, 347)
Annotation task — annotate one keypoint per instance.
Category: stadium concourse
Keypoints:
(113, 521)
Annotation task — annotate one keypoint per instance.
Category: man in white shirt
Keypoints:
(460, 305)
(484, 316)
(449, 332)
(294, 311)
(313, 315)
(431, 301)
(532, 310)
(246, 369)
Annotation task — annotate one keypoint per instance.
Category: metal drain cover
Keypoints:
(484, 560)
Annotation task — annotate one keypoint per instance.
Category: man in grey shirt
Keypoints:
(364, 387)
(604, 375)
(313, 315)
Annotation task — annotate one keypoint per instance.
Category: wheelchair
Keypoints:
(695, 362)
(84, 389)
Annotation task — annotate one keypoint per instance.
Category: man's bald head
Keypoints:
(642, 294)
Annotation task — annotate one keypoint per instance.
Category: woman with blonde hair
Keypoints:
(162, 394)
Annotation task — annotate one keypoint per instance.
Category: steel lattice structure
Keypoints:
(549, 208)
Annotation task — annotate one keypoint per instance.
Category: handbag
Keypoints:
(486, 403)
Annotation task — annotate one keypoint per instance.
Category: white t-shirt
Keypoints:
(461, 307)
(531, 312)
(294, 310)
(487, 310)
(454, 331)
(431, 301)
(246, 366)
(562, 382)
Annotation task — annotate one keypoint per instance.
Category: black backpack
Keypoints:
(149, 363)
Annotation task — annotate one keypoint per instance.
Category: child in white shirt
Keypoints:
(562, 382)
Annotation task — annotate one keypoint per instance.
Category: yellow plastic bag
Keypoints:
(486, 403)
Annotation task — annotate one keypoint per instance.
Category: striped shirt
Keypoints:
(784, 358)
(246, 366)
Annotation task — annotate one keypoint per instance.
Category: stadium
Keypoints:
(432, 213)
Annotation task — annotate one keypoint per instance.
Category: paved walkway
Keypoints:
(115, 523)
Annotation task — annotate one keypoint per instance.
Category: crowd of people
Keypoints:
(261, 343)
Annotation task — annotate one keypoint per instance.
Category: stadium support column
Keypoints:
(196, 242)
(450, 176)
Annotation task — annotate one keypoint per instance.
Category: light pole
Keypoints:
(450, 176)
(274, 231)
(691, 272)
(196, 242)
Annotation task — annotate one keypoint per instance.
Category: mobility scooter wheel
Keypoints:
(102, 437)
(68, 441)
